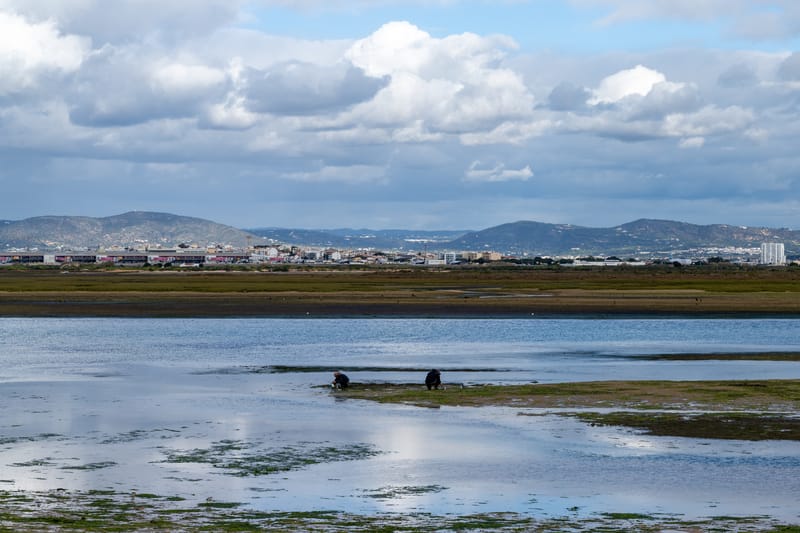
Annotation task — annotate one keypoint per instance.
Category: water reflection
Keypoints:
(99, 404)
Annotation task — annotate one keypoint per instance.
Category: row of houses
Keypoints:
(771, 254)
(121, 258)
(258, 255)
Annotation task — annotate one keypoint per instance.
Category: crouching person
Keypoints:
(340, 380)
(433, 380)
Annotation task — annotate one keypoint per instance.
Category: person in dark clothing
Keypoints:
(433, 379)
(340, 380)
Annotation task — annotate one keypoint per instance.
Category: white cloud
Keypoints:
(692, 142)
(353, 174)
(778, 19)
(300, 88)
(181, 78)
(392, 119)
(708, 121)
(508, 133)
(357, 135)
(262, 51)
(267, 141)
(134, 84)
(395, 47)
(232, 112)
(453, 85)
(638, 81)
(121, 21)
(497, 173)
(415, 133)
(691, 125)
(28, 50)
(758, 135)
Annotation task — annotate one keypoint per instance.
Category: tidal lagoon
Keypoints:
(238, 411)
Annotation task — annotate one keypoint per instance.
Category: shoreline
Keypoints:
(103, 510)
(763, 395)
(751, 410)
(170, 305)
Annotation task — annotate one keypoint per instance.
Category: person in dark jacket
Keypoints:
(433, 379)
(340, 380)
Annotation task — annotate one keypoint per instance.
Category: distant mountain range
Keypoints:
(136, 228)
(388, 239)
(140, 228)
(633, 238)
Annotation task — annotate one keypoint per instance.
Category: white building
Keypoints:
(772, 253)
(448, 257)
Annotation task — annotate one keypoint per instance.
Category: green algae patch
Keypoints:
(219, 505)
(243, 459)
(124, 512)
(139, 434)
(733, 426)
(41, 436)
(393, 492)
(34, 462)
(91, 466)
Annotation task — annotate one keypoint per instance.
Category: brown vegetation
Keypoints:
(501, 292)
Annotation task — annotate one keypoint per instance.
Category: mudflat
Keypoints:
(739, 410)
(407, 292)
(727, 395)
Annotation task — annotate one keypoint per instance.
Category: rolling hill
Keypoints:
(140, 228)
(391, 239)
(135, 228)
(644, 235)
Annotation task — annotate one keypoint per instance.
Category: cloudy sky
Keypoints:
(425, 114)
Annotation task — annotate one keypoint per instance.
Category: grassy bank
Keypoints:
(743, 410)
(495, 291)
(761, 395)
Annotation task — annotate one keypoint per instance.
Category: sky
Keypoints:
(413, 114)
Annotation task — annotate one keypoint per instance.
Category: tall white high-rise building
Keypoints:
(772, 253)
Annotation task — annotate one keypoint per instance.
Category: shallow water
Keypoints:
(102, 403)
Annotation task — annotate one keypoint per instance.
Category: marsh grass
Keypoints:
(469, 281)
(400, 292)
(732, 426)
(770, 395)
